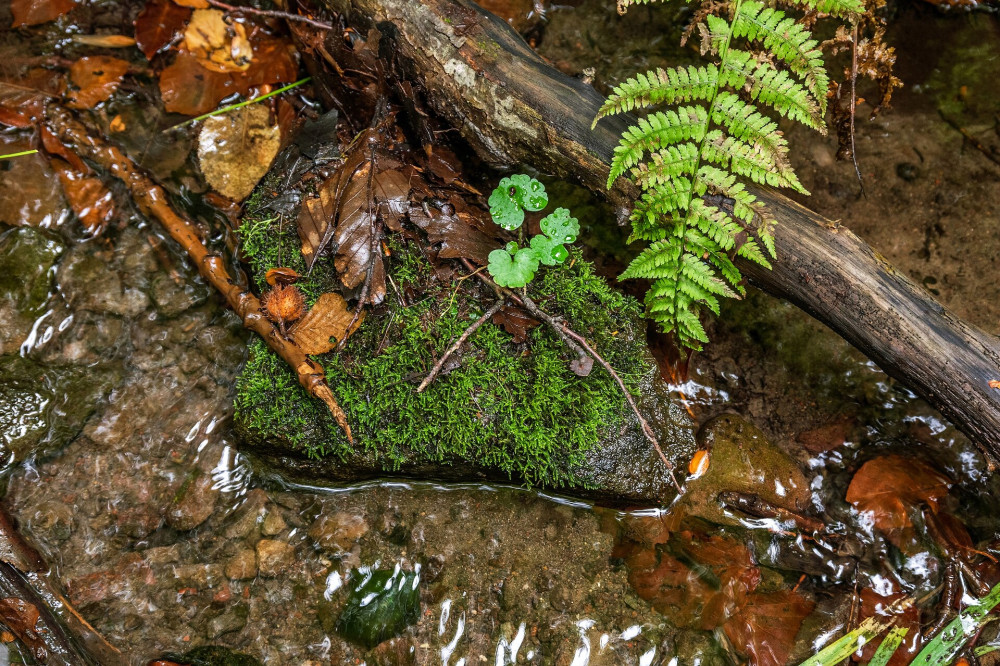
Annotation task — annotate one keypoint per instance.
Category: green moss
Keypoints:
(516, 409)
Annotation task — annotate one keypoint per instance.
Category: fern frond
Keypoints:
(750, 250)
(658, 86)
(744, 122)
(657, 130)
(666, 164)
(714, 223)
(745, 205)
(842, 8)
(783, 38)
(747, 160)
(773, 87)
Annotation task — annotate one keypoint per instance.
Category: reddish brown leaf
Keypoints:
(444, 164)
(282, 275)
(28, 91)
(887, 488)
(158, 24)
(33, 12)
(21, 617)
(328, 318)
(392, 190)
(87, 195)
(701, 596)
(53, 146)
(95, 79)
(874, 604)
(515, 321)
(189, 88)
(458, 238)
(765, 626)
(105, 41)
(12, 118)
(218, 45)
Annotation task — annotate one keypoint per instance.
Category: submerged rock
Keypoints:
(27, 257)
(213, 655)
(381, 605)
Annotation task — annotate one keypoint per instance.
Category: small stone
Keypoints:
(908, 171)
(273, 524)
(232, 619)
(242, 521)
(172, 297)
(274, 557)
(194, 504)
(242, 565)
(337, 533)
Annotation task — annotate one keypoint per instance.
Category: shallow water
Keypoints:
(122, 469)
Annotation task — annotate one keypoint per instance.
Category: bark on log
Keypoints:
(513, 108)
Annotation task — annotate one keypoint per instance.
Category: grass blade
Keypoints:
(23, 152)
(944, 647)
(889, 646)
(849, 643)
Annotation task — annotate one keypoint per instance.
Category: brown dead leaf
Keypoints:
(12, 118)
(158, 24)
(219, 46)
(995, 383)
(827, 437)
(873, 604)
(328, 318)
(94, 79)
(392, 190)
(515, 321)
(53, 146)
(89, 198)
(765, 626)
(21, 618)
(236, 149)
(25, 92)
(455, 233)
(281, 275)
(191, 89)
(33, 12)
(889, 486)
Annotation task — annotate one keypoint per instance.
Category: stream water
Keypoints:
(121, 468)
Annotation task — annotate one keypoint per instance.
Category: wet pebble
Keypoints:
(87, 282)
(274, 557)
(273, 524)
(194, 504)
(174, 296)
(54, 518)
(232, 619)
(242, 565)
(338, 532)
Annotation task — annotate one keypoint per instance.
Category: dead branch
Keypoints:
(152, 201)
(436, 370)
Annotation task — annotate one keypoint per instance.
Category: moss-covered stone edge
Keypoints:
(516, 409)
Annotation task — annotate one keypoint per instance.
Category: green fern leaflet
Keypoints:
(691, 158)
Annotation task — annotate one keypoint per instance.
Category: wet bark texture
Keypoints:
(512, 108)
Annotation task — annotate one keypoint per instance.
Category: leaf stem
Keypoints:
(436, 370)
(240, 105)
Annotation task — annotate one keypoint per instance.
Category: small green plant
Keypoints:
(515, 266)
(689, 161)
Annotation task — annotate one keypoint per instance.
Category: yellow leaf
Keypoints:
(328, 318)
(218, 46)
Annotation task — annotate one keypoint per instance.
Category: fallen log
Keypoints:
(514, 108)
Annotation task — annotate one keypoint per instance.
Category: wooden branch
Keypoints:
(152, 201)
(473, 327)
(513, 108)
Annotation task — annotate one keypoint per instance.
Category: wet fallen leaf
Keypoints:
(105, 41)
(827, 437)
(698, 464)
(219, 46)
(158, 24)
(328, 318)
(889, 486)
(21, 618)
(995, 383)
(235, 149)
(53, 146)
(873, 604)
(94, 79)
(765, 626)
(275, 276)
(89, 198)
(12, 118)
(193, 4)
(191, 89)
(25, 93)
(700, 583)
(444, 164)
(33, 12)
(457, 237)
(515, 321)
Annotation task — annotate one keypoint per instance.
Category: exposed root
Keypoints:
(436, 370)
(273, 13)
(152, 201)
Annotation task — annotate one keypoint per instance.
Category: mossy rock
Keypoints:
(506, 412)
(382, 603)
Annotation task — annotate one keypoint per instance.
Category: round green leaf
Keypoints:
(513, 271)
(560, 226)
(550, 252)
(504, 208)
(528, 192)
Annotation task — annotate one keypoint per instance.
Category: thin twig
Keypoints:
(976, 143)
(576, 341)
(436, 370)
(273, 13)
(240, 105)
(854, 103)
(646, 429)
